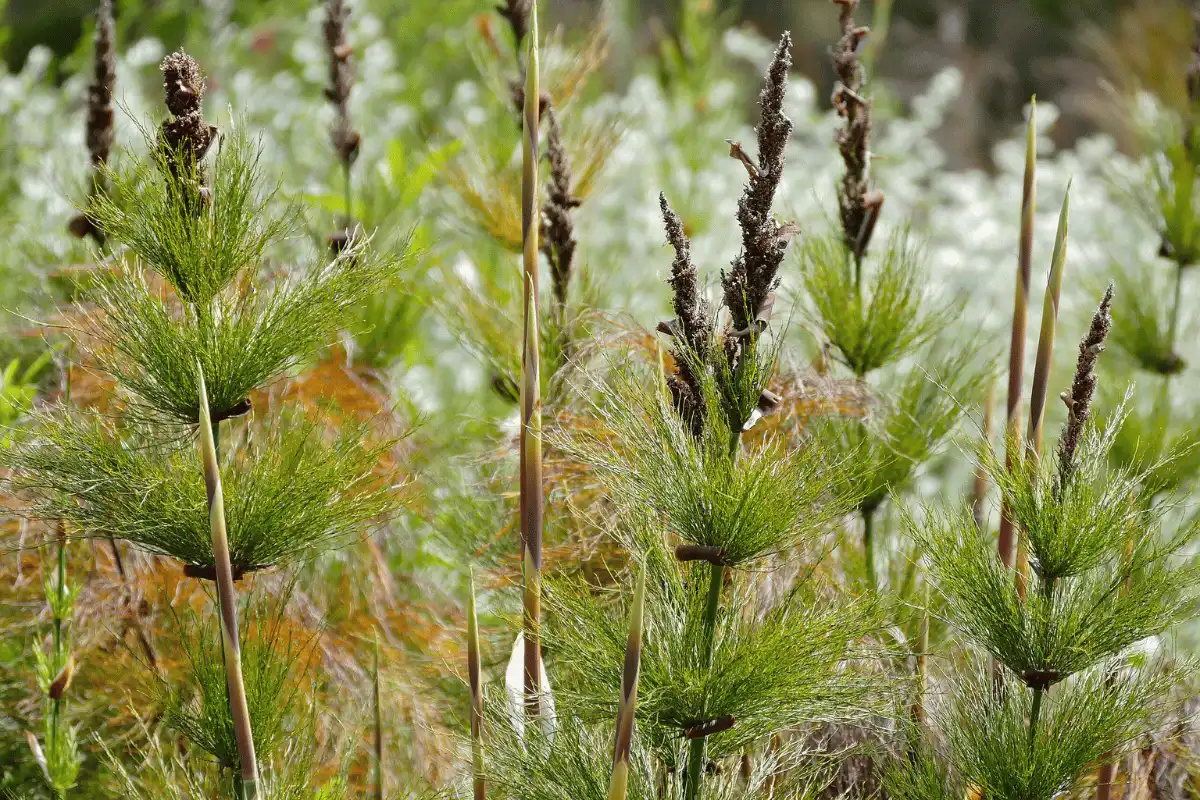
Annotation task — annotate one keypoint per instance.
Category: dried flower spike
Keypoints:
(559, 245)
(100, 129)
(859, 203)
(692, 327)
(748, 285)
(186, 135)
(1083, 387)
(346, 139)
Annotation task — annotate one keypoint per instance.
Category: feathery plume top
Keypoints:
(559, 245)
(752, 279)
(858, 203)
(100, 131)
(346, 140)
(692, 326)
(100, 91)
(1083, 387)
(186, 134)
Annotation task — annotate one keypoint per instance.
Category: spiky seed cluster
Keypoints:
(186, 135)
(753, 276)
(346, 139)
(559, 241)
(692, 327)
(858, 202)
(1083, 387)
(100, 129)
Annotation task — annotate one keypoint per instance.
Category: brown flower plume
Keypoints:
(186, 135)
(691, 329)
(100, 129)
(346, 139)
(1083, 387)
(749, 285)
(858, 202)
(559, 238)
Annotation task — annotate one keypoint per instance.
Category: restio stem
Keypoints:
(231, 645)
(696, 748)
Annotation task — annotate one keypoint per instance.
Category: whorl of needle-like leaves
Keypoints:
(750, 505)
(100, 128)
(752, 277)
(691, 330)
(185, 138)
(773, 667)
(290, 492)
(272, 662)
(242, 338)
(1083, 387)
(984, 734)
(1084, 546)
(858, 203)
(346, 139)
(559, 239)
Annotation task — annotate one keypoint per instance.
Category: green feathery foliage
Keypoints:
(892, 441)
(751, 505)
(245, 330)
(290, 489)
(198, 707)
(876, 324)
(1141, 332)
(773, 667)
(152, 213)
(1095, 717)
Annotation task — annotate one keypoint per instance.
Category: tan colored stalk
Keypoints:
(1041, 371)
(377, 703)
(475, 676)
(979, 487)
(235, 686)
(532, 499)
(1016, 359)
(619, 785)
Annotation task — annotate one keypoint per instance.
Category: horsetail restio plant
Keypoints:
(192, 329)
(346, 140)
(874, 315)
(1104, 575)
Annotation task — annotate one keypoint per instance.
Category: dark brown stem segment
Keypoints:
(532, 500)
(239, 709)
(377, 703)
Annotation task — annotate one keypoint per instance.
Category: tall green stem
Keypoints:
(695, 763)
(1033, 715)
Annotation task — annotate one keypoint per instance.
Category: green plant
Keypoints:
(1103, 576)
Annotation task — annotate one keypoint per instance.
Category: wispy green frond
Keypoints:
(198, 707)
(872, 320)
(1102, 712)
(243, 340)
(772, 669)
(916, 413)
(288, 490)
(1158, 445)
(1091, 616)
(1141, 324)
(199, 248)
(751, 505)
